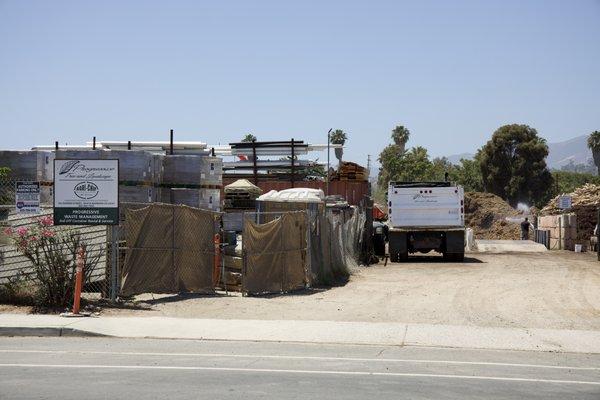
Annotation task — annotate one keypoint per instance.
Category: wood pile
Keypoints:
(349, 171)
(585, 202)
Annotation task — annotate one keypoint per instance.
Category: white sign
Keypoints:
(564, 202)
(86, 192)
(27, 197)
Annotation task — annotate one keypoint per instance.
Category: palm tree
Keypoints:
(400, 135)
(249, 138)
(593, 143)
(338, 137)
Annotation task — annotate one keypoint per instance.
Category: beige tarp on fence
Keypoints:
(169, 250)
(275, 255)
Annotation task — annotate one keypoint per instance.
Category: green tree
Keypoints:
(593, 143)
(338, 137)
(400, 135)
(568, 181)
(467, 174)
(513, 165)
(439, 167)
(412, 166)
(249, 138)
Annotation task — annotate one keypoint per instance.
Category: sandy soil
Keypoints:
(548, 290)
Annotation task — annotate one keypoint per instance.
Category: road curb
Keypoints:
(8, 331)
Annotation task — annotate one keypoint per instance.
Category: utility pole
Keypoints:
(328, 140)
(368, 165)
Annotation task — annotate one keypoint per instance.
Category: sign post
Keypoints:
(86, 192)
(27, 197)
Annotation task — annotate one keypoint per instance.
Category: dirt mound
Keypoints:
(486, 214)
(585, 202)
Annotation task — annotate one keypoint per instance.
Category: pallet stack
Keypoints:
(349, 171)
(562, 228)
(233, 262)
(585, 204)
(144, 176)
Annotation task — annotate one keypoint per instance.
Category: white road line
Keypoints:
(316, 358)
(298, 371)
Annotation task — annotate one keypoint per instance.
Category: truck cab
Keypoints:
(424, 217)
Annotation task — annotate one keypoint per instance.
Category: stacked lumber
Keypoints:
(349, 171)
(585, 203)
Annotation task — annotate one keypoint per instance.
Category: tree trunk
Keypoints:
(402, 147)
(596, 155)
(338, 154)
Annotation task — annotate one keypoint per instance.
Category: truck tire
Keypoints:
(454, 248)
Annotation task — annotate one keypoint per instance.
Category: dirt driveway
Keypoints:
(546, 290)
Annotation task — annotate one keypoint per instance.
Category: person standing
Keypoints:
(525, 229)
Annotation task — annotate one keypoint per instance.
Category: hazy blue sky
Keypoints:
(451, 71)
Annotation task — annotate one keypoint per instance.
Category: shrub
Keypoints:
(17, 291)
(53, 254)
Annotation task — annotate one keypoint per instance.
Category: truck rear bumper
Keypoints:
(405, 241)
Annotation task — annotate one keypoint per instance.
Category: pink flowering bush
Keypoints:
(53, 253)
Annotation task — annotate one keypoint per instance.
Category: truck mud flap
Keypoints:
(398, 246)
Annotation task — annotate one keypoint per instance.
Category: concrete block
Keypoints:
(188, 197)
(210, 199)
(134, 165)
(136, 194)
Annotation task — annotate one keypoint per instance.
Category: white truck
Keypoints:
(424, 217)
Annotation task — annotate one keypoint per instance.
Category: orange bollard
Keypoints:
(217, 259)
(80, 261)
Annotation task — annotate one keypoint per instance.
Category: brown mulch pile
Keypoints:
(585, 202)
(486, 214)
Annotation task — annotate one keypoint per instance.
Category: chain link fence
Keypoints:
(163, 248)
(8, 190)
(37, 256)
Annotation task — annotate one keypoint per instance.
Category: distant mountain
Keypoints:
(562, 153)
(559, 153)
(455, 158)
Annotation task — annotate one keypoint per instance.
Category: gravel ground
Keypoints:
(556, 289)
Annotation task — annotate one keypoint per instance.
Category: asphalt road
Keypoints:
(103, 368)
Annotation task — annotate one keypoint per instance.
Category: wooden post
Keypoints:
(217, 260)
(293, 155)
(254, 162)
(171, 143)
(129, 145)
(94, 143)
(56, 145)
